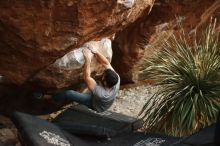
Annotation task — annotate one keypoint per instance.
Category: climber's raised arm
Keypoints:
(91, 83)
(102, 59)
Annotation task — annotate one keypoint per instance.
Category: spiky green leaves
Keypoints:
(189, 75)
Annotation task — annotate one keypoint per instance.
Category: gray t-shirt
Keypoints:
(102, 98)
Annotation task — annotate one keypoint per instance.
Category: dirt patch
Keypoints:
(131, 100)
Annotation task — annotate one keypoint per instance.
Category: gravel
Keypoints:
(131, 100)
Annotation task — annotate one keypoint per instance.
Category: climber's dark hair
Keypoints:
(110, 77)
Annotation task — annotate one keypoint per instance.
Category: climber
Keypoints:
(101, 94)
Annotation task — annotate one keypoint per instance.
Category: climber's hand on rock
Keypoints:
(87, 54)
(93, 49)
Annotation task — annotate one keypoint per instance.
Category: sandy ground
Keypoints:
(131, 100)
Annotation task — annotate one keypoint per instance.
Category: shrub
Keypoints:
(189, 75)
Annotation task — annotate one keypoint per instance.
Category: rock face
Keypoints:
(36, 33)
(40, 37)
(134, 42)
(67, 70)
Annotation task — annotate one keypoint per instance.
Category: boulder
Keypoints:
(134, 43)
(68, 70)
(35, 33)
(38, 39)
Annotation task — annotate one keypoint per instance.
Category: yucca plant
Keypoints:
(188, 73)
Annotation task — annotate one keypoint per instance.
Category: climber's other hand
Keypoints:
(87, 54)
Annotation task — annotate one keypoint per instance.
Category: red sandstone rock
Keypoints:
(135, 42)
(68, 70)
(36, 33)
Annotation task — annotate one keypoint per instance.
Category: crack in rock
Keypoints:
(127, 3)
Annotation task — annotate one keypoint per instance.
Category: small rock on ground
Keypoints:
(8, 133)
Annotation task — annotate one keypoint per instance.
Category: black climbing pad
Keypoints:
(136, 139)
(84, 121)
(203, 137)
(208, 136)
(36, 132)
(217, 131)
